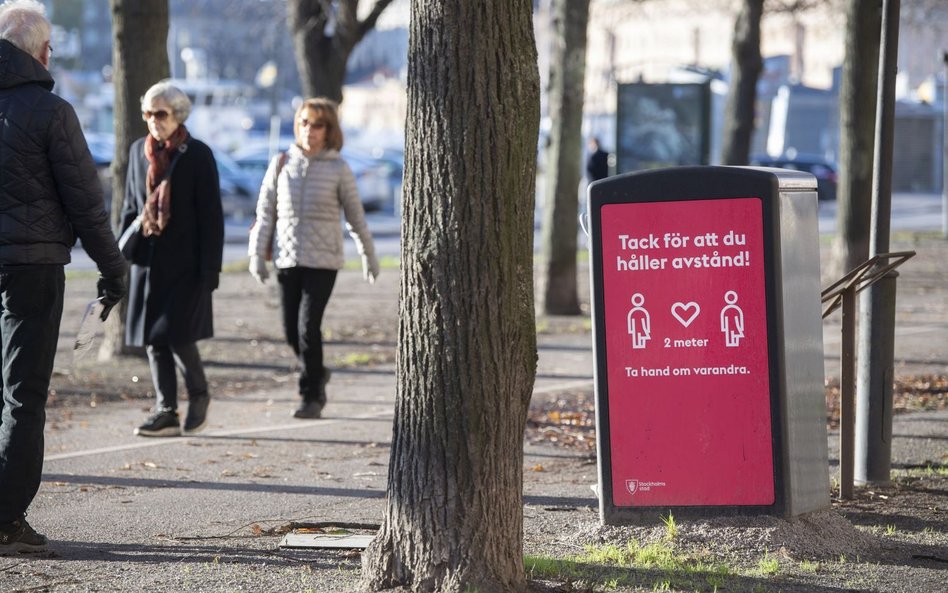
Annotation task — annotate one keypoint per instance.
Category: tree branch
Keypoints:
(369, 23)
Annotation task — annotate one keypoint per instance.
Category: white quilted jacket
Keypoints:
(304, 205)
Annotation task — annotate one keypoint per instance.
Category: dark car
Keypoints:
(102, 147)
(378, 178)
(820, 168)
(238, 189)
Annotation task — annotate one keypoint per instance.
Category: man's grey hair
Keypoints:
(178, 99)
(24, 24)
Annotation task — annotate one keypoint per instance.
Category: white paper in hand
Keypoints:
(88, 329)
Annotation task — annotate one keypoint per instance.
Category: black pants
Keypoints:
(163, 360)
(31, 308)
(304, 293)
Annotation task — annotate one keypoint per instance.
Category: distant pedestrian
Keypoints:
(49, 195)
(597, 164)
(173, 192)
(304, 192)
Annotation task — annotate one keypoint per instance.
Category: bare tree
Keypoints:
(139, 59)
(857, 121)
(324, 34)
(563, 172)
(739, 113)
(466, 357)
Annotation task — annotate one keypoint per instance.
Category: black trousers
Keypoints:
(163, 359)
(304, 294)
(31, 308)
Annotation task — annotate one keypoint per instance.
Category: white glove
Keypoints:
(258, 269)
(370, 268)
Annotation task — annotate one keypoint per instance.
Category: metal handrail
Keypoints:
(861, 277)
(842, 293)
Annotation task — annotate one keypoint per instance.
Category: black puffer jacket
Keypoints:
(49, 190)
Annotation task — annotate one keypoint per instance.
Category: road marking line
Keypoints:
(159, 441)
(563, 386)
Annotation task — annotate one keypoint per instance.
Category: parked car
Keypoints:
(238, 189)
(378, 179)
(820, 168)
(102, 147)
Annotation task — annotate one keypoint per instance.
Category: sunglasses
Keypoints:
(159, 115)
(319, 125)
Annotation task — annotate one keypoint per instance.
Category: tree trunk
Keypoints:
(466, 338)
(565, 96)
(139, 59)
(857, 123)
(747, 64)
(324, 35)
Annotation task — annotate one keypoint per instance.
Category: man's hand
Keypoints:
(111, 291)
(258, 269)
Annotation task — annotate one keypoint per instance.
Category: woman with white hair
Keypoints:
(172, 196)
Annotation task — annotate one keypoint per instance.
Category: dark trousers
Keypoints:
(163, 360)
(31, 308)
(304, 293)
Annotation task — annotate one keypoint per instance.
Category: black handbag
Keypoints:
(128, 242)
(132, 236)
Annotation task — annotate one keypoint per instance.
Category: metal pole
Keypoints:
(877, 306)
(944, 149)
(847, 395)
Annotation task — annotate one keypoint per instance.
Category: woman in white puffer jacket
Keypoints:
(301, 198)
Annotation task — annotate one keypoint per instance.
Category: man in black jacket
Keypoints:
(49, 195)
(597, 165)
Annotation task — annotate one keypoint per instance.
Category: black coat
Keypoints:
(49, 190)
(173, 275)
(597, 165)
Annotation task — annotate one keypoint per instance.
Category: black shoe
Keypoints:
(163, 423)
(196, 419)
(309, 410)
(18, 537)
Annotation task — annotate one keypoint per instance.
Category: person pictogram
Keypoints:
(732, 320)
(639, 324)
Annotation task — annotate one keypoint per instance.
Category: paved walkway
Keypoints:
(197, 513)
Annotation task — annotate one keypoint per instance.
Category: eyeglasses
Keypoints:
(159, 115)
(318, 125)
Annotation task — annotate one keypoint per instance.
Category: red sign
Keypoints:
(686, 351)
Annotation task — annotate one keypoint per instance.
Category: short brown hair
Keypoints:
(326, 112)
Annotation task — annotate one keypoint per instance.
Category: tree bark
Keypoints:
(466, 340)
(740, 110)
(564, 157)
(324, 35)
(857, 123)
(139, 59)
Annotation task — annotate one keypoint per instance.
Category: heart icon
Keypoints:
(685, 313)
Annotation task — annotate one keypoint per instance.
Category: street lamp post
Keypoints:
(873, 450)
(944, 148)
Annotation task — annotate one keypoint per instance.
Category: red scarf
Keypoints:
(157, 210)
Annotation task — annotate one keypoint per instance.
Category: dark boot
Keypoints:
(196, 419)
(309, 409)
(313, 404)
